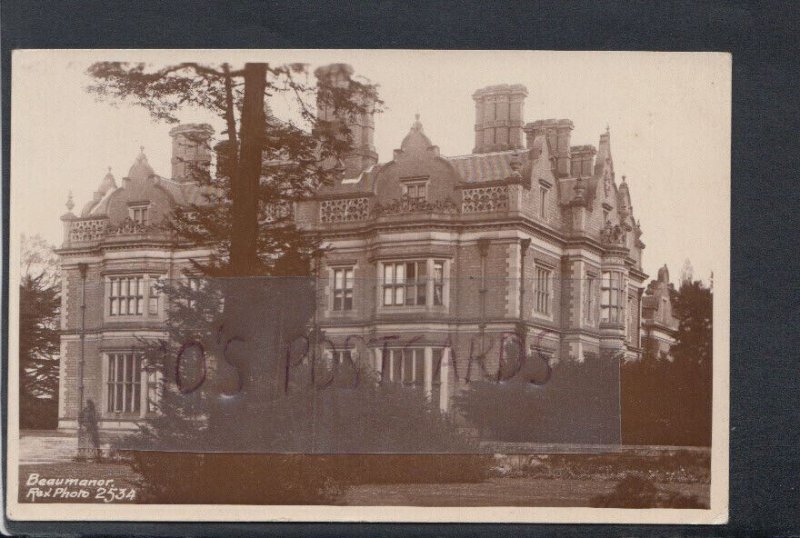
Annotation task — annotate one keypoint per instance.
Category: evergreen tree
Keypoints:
(39, 294)
(669, 401)
(693, 358)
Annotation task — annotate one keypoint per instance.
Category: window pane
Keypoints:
(338, 279)
(388, 273)
(128, 368)
(421, 292)
(438, 271)
(410, 271)
(387, 295)
(348, 281)
(118, 398)
(137, 397)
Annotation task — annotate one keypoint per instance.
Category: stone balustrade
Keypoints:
(86, 230)
(344, 210)
(485, 199)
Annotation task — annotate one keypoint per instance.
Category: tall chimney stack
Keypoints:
(361, 126)
(558, 134)
(190, 150)
(499, 112)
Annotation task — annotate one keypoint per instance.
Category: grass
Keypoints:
(540, 480)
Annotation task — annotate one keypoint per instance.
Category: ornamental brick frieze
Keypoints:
(405, 205)
(483, 199)
(87, 230)
(343, 210)
(277, 212)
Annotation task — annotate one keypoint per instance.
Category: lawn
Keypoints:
(531, 480)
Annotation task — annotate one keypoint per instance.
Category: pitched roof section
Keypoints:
(481, 167)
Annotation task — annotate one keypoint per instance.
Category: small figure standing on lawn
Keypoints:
(88, 434)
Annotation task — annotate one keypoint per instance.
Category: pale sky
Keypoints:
(669, 115)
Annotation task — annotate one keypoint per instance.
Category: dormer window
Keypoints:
(415, 190)
(140, 213)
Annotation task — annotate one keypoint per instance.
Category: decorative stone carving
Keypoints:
(278, 211)
(579, 198)
(127, 227)
(483, 199)
(131, 227)
(344, 210)
(414, 205)
(613, 235)
(87, 230)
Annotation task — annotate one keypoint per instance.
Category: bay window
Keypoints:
(133, 295)
(414, 283)
(404, 283)
(131, 387)
(126, 297)
(407, 366)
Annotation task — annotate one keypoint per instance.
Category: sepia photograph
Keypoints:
(369, 285)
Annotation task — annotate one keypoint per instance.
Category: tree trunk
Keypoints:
(244, 252)
(239, 345)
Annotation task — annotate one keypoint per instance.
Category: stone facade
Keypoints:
(432, 264)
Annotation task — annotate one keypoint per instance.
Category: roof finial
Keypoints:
(141, 149)
(109, 169)
(70, 204)
(623, 178)
(417, 124)
(608, 128)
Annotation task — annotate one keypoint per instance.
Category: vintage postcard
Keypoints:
(369, 285)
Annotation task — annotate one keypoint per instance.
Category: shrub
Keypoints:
(637, 491)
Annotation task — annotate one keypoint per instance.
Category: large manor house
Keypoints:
(431, 260)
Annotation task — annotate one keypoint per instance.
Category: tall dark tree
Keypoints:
(38, 338)
(693, 358)
(668, 401)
